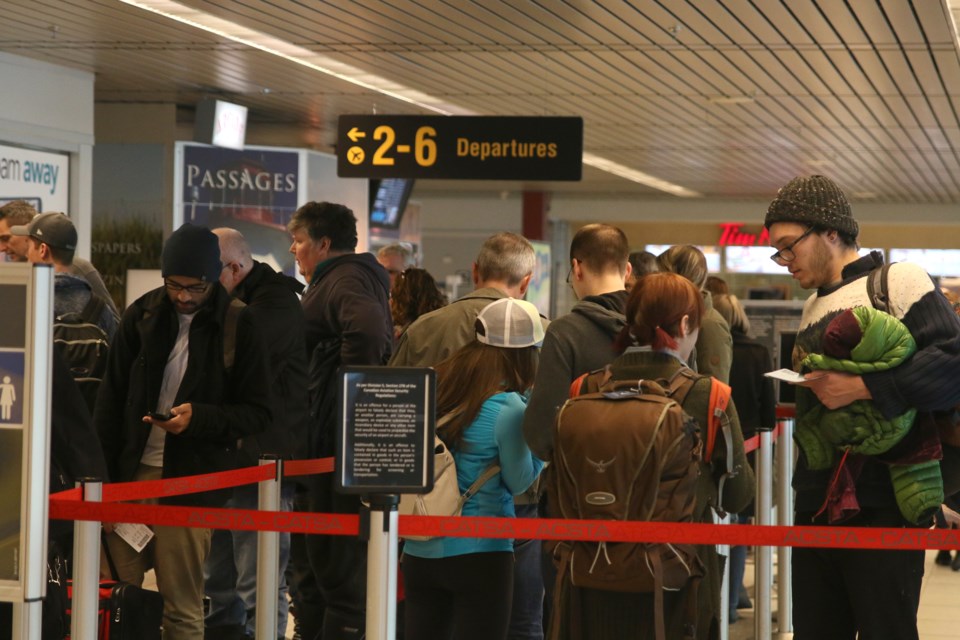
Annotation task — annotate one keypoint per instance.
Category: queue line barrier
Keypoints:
(69, 505)
(123, 491)
(520, 528)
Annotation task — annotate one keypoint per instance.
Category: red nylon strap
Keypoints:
(206, 518)
(752, 444)
(522, 528)
(719, 399)
(293, 468)
(125, 491)
(119, 491)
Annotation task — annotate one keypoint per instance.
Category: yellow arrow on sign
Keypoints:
(355, 134)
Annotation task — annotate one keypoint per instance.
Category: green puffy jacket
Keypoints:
(863, 340)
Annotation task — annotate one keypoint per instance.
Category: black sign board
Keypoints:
(386, 418)
(460, 147)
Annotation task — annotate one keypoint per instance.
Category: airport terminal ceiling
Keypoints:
(690, 98)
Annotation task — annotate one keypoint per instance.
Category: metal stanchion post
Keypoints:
(268, 554)
(382, 568)
(86, 567)
(724, 550)
(785, 518)
(764, 555)
(31, 562)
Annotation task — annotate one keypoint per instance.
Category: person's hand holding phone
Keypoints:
(175, 422)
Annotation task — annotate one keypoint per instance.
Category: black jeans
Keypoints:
(458, 598)
(840, 592)
(339, 565)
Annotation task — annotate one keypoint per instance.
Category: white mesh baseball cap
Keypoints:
(510, 323)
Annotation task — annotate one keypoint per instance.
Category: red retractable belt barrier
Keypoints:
(67, 505)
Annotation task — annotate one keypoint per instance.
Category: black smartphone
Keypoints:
(162, 417)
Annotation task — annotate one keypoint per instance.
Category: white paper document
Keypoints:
(135, 535)
(787, 375)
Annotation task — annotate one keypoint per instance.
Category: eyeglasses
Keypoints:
(176, 287)
(786, 255)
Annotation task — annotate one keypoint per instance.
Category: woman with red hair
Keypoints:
(664, 312)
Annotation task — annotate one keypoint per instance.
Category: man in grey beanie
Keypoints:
(187, 379)
(839, 593)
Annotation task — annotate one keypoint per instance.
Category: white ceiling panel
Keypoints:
(723, 97)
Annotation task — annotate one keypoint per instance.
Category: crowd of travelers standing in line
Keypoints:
(229, 359)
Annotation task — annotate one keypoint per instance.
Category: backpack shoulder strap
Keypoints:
(590, 382)
(719, 400)
(680, 384)
(878, 288)
(484, 477)
(230, 323)
(93, 310)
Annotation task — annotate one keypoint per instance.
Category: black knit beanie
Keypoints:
(816, 201)
(192, 252)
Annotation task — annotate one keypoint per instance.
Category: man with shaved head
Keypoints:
(230, 573)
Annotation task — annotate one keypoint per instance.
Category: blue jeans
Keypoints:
(230, 572)
(526, 617)
(738, 565)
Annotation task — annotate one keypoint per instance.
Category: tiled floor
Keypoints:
(938, 618)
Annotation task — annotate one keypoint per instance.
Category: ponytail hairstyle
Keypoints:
(657, 304)
(686, 260)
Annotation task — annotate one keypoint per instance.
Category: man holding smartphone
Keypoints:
(187, 379)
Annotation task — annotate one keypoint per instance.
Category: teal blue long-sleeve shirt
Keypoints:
(495, 436)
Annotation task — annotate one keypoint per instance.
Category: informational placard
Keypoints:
(386, 422)
(26, 296)
(460, 147)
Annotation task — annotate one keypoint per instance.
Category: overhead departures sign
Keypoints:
(460, 147)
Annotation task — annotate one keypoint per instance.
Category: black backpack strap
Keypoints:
(93, 310)
(878, 288)
(230, 323)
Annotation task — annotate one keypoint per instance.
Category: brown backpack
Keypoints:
(626, 452)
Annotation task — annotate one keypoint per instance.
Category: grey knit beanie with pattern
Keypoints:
(816, 201)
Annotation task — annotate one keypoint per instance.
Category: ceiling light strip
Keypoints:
(330, 66)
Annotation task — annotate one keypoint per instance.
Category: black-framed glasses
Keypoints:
(786, 255)
(176, 287)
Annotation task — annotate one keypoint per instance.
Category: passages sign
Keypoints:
(460, 147)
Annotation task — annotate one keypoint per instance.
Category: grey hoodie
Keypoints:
(577, 343)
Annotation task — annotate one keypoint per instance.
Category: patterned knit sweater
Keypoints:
(926, 381)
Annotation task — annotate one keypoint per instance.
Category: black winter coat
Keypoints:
(752, 391)
(271, 298)
(348, 318)
(227, 405)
